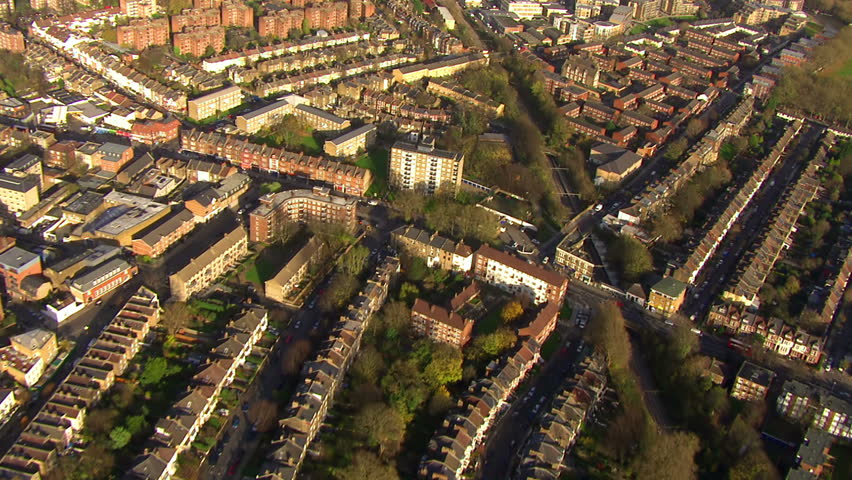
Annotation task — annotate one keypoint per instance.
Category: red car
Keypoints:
(288, 339)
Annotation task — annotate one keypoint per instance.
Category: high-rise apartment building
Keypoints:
(423, 167)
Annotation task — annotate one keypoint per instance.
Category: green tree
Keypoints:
(155, 371)
(495, 343)
(675, 149)
(405, 388)
(135, 424)
(354, 261)
(119, 438)
(511, 311)
(609, 332)
(445, 366)
(340, 290)
(408, 292)
(408, 204)
(631, 256)
(383, 427)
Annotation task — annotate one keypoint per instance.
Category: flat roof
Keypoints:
(16, 258)
(353, 133)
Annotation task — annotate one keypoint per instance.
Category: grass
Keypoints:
(490, 322)
(419, 8)
(376, 161)
(310, 145)
(565, 313)
(551, 345)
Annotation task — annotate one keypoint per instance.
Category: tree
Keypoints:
(409, 204)
(369, 365)
(396, 316)
(440, 403)
(405, 387)
(263, 414)
(176, 315)
(366, 464)
(135, 424)
(512, 311)
(101, 420)
(670, 456)
(445, 366)
(631, 256)
(383, 427)
(339, 291)
(609, 332)
(694, 127)
(155, 371)
(675, 149)
(293, 357)
(683, 342)
(119, 438)
(493, 344)
(408, 292)
(173, 7)
(354, 261)
(754, 465)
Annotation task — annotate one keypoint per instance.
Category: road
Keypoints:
(748, 227)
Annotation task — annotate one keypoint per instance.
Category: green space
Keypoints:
(813, 28)
(376, 161)
(551, 345)
(419, 8)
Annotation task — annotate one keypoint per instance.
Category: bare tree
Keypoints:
(264, 415)
(176, 315)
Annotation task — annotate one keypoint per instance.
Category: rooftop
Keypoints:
(756, 374)
(669, 287)
(16, 258)
(34, 339)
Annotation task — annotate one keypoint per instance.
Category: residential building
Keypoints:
(752, 382)
(813, 457)
(207, 203)
(351, 143)
(200, 41)
(156, 239)
(439, 324)
(424, 168)
(19, 194)
(280, 23)
(437, 251)
(138, 8)
(543, 324)
(344, 177)
(156, 131)
(667, 296)
(614, 163)
(11, 39)
(112, 157)
(195, 17)
(215, 103)
(204, 269)
(140, 34)
(518, 277)
(7, 404)
(237, 14)
(287, 280)
(28, 355)
(522, 8)
(263, 117)
(320, 120)
(97, 282)
(572, 255)
(581, 71)
(16, 266)
(299, 206)
(27, 165)
(443, 67)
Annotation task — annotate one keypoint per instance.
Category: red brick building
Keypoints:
(361, 9)
(153, 132)
(11, 39)
(155, 240)
(196, 40)
(16, 264)
(195, 17)
(280, 23)
(327, 16)
(62, 154)
(343, 177)
(237, 14)
(140, 34)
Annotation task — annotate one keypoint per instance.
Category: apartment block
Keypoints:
(19, 194)
(351, 143)
(237, 14)
(440, 324)
(11, 39)
(195, 17)
(518, 277)
(203, 270)
(138, 8)
(280, 23)
(572, 255)
(424, 168)
(140, 34)
(215, 103)
(16, 265)
(437, 251)
(156, 131)
(263, 117)
(112, 157)
(28, 355)
(198, 41)
(667, 296)
(752, 382)
(97, 282)
(299, 206)
(343, 177)
(158, 238)
(286, 281)
(320, 120)
(327, 15)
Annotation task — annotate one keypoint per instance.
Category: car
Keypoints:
(598, 207)
(580, 347)
(298, 325)
(99, 302)
(236, 422)
(288, 339)
(373, 202)
(245, 406)
(312, 304)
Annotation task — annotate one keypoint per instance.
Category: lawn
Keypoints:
(310, 145)
(551, 345)
(376, 161)
(490, 322)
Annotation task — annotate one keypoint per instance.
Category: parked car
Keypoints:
(236, 422)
